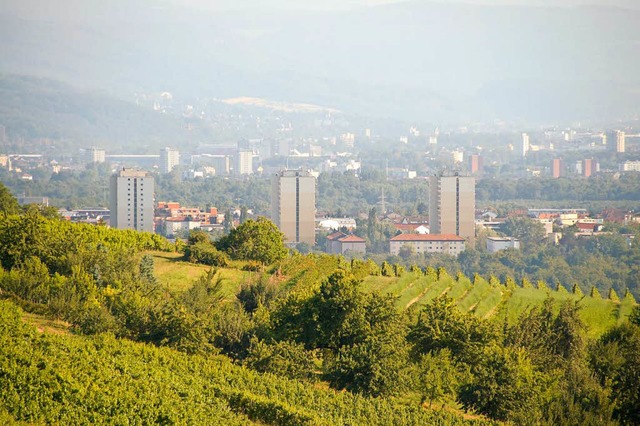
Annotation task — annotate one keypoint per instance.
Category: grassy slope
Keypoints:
(179, 275)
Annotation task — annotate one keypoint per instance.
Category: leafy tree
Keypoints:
(441, 325)
(438, 376)
(233, 330)
(258, 240)
(205, 253)
(505, 386)
(373, 359)
(529, 231)
(407, 251)
(8, 203)
(198, 236)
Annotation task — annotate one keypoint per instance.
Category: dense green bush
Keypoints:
(206, 254)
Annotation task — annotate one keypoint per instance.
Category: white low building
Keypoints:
(495, 244)
(428, 243)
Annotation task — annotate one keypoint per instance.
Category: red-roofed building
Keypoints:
(340, 243)
(428, 243)
(589, 227)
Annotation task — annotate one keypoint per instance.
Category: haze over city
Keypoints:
(358, 212)
(447, 62)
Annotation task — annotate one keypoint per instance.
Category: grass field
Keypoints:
(178, 275)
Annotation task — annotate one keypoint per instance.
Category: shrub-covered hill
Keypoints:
(66, 379)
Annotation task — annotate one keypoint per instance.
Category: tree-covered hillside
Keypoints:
(37, 108)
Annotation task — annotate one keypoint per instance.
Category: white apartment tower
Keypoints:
(293, 205)
(131, 200)
(169, 158)
(620, 141)
(526, 144)
(452, 206)
(95, 155)
(244, 162)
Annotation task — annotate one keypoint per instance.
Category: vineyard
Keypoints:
(497, 301)
(66, 379)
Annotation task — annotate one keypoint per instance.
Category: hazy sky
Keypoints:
(347, 4)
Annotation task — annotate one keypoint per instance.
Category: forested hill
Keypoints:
(34, 108)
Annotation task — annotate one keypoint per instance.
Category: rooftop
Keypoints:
(427, 237)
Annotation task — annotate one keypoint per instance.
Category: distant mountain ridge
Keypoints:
(33, 108)
(436, 62)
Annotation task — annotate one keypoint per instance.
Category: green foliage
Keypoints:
(526, 230)
(8, 203)
(257, 240)
(634, 318)
(206, 254)
(372, 360)
(262, 292)
(613, 295)
(438, 376)
(541, 285)
(398, 270)
(61, 245)
(58, 379)
(616, 360)
(233, 330)
(576, 290)
(198, 236)
(505, 386)
(561, 289)
(287, 359)
(387, 270)
(595, 293)
(205, 294)
(441, 325)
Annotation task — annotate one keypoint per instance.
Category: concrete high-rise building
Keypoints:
(293, 205)
(95, 155)
(589, 167)
(131, 200)
(244, 162)
(620, 141)
(476, 164)
(452, 205)
(557, 168)
(169, 158)
(615, 141)
(526, 144)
